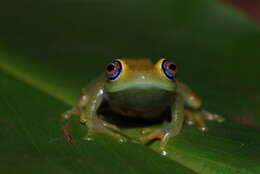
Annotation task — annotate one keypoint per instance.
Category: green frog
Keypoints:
(139, 88)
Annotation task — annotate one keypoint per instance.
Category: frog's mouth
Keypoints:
(145, 85)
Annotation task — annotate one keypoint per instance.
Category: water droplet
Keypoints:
(203, 129)
(164, 153)
(190, 122)
(88, 138)
(121, 140)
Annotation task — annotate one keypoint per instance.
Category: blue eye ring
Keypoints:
(113, 69)
(169, 69)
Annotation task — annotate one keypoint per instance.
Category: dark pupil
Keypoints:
(172, 67)
(110, 68)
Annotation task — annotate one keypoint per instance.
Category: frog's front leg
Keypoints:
(77, 110)
(172, 128)
(93, 121)
(87, 107)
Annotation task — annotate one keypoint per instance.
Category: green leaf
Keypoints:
(33, 141)
(49, 52)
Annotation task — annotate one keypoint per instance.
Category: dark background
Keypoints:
(50, 49)
(215, 47)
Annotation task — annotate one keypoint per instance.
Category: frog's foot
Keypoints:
(149, 135)
(73, 111)
(100, 126)
(199, 117)
(195, 117)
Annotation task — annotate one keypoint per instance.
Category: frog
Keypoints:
(138, 88)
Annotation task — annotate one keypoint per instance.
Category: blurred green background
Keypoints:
(50, 49)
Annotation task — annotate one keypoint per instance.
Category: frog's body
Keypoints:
(138, 88)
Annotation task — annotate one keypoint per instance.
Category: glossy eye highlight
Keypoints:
(169, 69)
(113, 69)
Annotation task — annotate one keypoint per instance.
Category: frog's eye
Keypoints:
(113, 69)
(169, 69)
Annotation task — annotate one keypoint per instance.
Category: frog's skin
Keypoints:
(141, 89)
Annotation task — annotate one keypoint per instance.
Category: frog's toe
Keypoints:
(189, 122)
(203, 128)
(111, 126)
(151, 134)
(145, 131)
(68, 114)
(65, 116)
(212, 117)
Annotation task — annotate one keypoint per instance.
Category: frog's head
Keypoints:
(127, 74)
